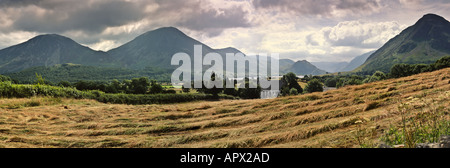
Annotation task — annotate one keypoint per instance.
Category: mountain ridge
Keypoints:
(48, 50)
(424, 42)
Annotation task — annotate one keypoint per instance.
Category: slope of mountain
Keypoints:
(424, 42)
(304, 68)
(75, 72)
(48, 50)
(285, 64)
(155, 49)
(330, 66)
(356, 62)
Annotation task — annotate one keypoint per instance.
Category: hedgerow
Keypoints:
(9, 90)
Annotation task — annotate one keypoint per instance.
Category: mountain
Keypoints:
(356, 62)
(48, 50)
(330, 66)
(304, 68)
(224, 51)
(156, 48)
(424, 42)
(285, 64)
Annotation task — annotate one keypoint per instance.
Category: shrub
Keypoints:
(314, 86)
(331, 82)
(293, 91)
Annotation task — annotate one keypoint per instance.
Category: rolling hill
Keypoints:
(303, 68)
(49, 50)
(424, 42)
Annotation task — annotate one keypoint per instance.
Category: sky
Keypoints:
(313, 30)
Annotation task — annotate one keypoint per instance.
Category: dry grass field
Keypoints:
(329, 119)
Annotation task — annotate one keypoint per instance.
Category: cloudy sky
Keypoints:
(315, 30)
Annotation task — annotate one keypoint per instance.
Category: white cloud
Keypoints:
(362, 34)
(15, 37)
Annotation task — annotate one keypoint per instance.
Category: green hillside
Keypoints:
(424, 42)
(74, 72)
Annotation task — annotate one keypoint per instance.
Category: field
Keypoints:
(352, 116)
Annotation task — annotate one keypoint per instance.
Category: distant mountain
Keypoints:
(48, 50)
(424, 42)
(330, 66)
(356, 62)
(304, 68)
(223, 51)
(285, 64)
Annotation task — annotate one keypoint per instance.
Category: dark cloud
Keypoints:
(201, 16)
(18, 3)
(86, 20)
(214, 23)
(314, 7)
(91, 18)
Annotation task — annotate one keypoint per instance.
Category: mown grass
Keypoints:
(352, 116)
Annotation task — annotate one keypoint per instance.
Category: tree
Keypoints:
(290, 81)
(314, 85)
(114, 87)
(293, 92)
(401, 70)
(140, 85)
(4, 78)
(230, 91)
(442, 63)
(380, 75)
(156, 88)
(377, 76)
(126, 87)
(214, 90)
(64, 84)
(331, 82)
(39, 79)
(250, 90)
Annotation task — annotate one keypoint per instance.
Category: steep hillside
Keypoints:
(48, 50)
(155, 49)
(424, 42)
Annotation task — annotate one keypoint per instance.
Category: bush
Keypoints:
(314, 86)
(25, 91)
(442, 63)
(331, 82)
(402, 70)
(293, 91)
